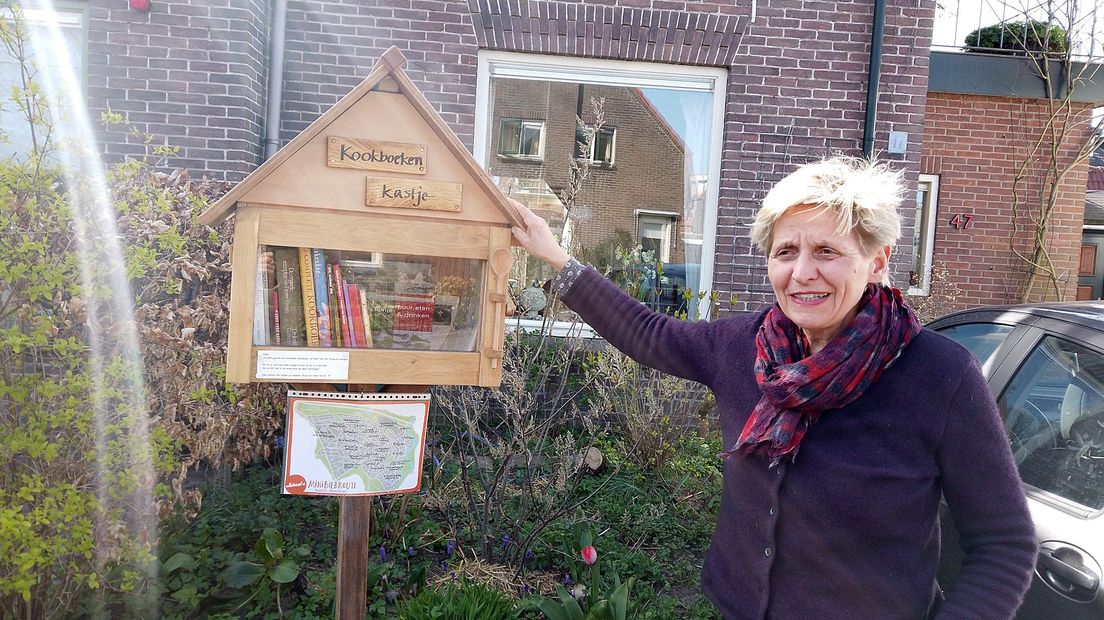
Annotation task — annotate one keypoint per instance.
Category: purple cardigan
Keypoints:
(851, 528)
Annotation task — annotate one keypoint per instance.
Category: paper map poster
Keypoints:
(354, 444)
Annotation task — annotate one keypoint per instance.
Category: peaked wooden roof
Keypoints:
(386, 75)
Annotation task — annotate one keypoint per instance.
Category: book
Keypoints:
(261, 300)
(275, 316)
(289, 289)
(321, 296)
(414, 298)
(343, 303)
(335, 309)
(365, 317)
(352, 293)
(310, 304)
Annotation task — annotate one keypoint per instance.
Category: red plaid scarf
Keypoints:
(797, 388)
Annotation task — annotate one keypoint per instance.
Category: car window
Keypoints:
(982, 339)
(1054, 412)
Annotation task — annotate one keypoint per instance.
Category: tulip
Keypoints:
(590, 555)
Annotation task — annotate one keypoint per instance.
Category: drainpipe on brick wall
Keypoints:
(873, 78)
(275, 99)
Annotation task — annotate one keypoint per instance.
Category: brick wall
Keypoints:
(191, 74)
(797, 81)
(975, 144)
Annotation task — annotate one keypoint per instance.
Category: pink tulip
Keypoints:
(590, 555)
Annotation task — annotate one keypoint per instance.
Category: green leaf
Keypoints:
(285, 572)
(551, 609)
(619, 601)
(242, 574)
(270, 545)
(178, 560)
(571, 606)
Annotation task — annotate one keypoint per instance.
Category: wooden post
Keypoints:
(353, 525)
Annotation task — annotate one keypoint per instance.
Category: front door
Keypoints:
(1090, 270)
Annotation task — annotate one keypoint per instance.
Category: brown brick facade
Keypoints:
(976, 144)
(194, 72)
(191, 74)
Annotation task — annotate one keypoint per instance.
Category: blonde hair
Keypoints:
(862, 195)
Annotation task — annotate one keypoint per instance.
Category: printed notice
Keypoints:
(301, 365)
(354, 444)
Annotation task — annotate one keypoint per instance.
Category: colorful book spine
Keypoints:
(289, 290)
(310, 303)
(343, 300)
(321, 296)
(352, 293)
(335, 308)
(365, 317)
(261, 299)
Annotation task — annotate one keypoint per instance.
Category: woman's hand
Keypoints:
(538, 240)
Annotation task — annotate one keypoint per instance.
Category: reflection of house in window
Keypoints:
(521, 138)
(654, 232)
(600, 146)
(638, 162)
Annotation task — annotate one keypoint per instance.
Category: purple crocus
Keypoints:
(449, 548)
(383, 554)
(410, 552)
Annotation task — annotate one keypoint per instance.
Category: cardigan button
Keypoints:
(771, 511)
(767, 552)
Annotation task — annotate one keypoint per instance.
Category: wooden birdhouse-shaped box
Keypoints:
(372, 248)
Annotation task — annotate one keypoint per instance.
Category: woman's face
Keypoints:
(819, 276)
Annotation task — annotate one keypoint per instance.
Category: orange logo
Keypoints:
(295, 484)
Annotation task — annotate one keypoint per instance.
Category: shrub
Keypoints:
(1018, 38)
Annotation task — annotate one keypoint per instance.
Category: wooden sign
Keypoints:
(413, 194)
(374, 155)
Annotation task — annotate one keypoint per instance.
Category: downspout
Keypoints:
(873, 78)
(275, 79)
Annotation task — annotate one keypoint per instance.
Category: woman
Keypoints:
(846, 421)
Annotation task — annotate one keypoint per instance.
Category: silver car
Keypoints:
(1045, 365)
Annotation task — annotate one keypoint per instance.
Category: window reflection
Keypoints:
(622, 176)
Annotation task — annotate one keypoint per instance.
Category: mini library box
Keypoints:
(372, 248)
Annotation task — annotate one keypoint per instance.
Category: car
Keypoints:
(1045, 366)
(670, 290)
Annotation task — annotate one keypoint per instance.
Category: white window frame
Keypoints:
(928, 242)
(594, 144)
(523, 124)
(631, 74)
(667, 220)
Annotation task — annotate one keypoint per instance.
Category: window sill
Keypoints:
(520, 159)
(557, 329)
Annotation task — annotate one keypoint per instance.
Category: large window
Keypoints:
(923, 238)
(628, 167)
(53, 52)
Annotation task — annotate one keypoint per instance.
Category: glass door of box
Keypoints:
(316, 297)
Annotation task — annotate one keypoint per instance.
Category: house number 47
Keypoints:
(961, 221)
